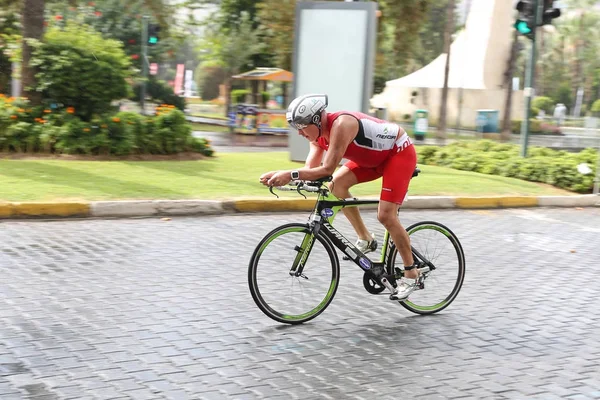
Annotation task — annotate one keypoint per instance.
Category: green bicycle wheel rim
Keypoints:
(322, 304)
(445, 301)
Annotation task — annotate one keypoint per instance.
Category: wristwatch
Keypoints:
(295, 175)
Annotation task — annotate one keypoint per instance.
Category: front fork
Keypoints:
(309, 239)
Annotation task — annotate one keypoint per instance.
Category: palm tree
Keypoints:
(450, 23)
(32, 19)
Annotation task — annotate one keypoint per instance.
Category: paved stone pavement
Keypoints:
(155, 309)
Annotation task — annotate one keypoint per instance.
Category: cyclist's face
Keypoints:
(311, 132)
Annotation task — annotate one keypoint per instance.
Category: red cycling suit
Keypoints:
(380, 148)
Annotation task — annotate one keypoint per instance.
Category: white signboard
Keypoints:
(334, 53)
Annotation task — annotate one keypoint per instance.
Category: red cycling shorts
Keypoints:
(397, 172)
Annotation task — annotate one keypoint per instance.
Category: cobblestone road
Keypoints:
(153, 309)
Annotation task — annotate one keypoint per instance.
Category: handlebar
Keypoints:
(315, 186)
(298, 185)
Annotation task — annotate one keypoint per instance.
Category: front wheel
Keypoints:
(293, 274)
(433, 243)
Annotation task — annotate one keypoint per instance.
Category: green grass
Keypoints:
(228, 175)
(208, 127)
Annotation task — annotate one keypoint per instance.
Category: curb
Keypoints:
(147, 208)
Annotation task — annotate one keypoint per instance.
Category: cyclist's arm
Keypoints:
(342, 133)
(314, 158)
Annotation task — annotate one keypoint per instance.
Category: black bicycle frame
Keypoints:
(324, 210)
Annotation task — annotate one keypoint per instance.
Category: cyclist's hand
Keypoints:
(280, 178)
(264, 178)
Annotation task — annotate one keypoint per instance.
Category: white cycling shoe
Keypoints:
(367, 246)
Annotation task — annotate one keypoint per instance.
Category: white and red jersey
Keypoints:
(375, 141)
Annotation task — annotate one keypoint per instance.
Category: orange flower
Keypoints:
(20, 110)
(104, 126)
(47, 111)
(42, 121)
(86, 129)
(70, 110)
(116, 119)
(2, 96)
(13, 117)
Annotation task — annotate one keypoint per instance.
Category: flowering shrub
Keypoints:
(60, 130)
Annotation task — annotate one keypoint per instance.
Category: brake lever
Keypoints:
(299, 192)
(273, 193)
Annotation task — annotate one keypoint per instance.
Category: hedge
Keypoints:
(553, 167)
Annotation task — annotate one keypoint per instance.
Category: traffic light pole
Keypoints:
(528, 91)
(144, 62)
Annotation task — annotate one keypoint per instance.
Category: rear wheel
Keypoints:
(438, 246)
(293, 274)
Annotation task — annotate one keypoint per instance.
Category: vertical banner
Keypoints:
(179, 78)
(188, 82)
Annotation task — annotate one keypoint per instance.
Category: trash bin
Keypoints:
(381, 113)
(421, 124)
(487, 121)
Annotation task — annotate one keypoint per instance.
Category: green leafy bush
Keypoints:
(535, 127)
(557, 168)
(543, 103)
(208, 78)
(80, 69)
(239, 95)
(159, 91)
(596, 108)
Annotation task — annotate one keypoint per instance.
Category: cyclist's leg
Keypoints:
(343, 179)
(397, 173)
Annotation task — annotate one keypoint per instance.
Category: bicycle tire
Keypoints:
(412, 303)
(255, 288)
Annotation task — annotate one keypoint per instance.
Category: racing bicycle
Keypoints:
(294, 271)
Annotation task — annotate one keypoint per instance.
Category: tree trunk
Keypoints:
(508, 76)
(441, 131)
(32, 19)
(578, 79)
(538, 84)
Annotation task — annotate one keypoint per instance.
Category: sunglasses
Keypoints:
(298, 126)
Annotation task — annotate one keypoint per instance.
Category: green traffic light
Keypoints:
(153, 40)
(522, 27)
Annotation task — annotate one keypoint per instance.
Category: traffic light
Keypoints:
(525, 23)
(153, 31)
(550, 12)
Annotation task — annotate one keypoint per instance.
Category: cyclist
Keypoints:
(374, 148)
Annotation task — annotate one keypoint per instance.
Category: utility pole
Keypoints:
(144, 62)
(529, 76)
(532, 13)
